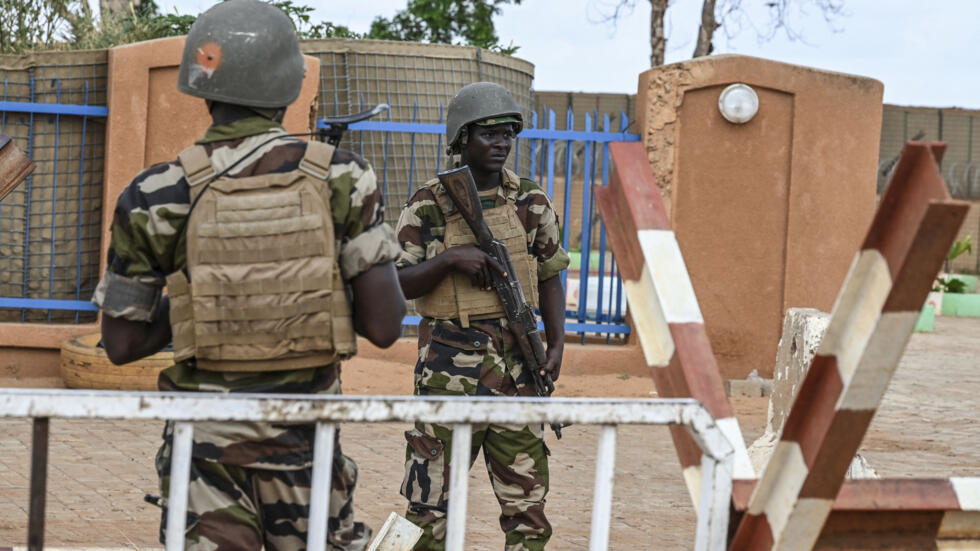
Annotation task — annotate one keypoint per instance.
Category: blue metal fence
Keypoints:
(600, 299)
(50, 226)
(567, 163)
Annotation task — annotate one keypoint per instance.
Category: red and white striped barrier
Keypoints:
(905, 513)
(874, 316)
(665, 311)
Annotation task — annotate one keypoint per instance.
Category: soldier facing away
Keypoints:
(256, 235)
(465, 347)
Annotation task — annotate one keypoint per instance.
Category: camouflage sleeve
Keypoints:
(358, 212)
(145, 224)
(421, 227)
(542, 224)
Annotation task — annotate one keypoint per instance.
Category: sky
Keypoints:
(925, 53)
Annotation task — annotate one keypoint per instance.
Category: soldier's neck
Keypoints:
(486, 181)
(227, 113)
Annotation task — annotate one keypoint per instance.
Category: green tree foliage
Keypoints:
(445, 21)
(305, 28)
(32, 25)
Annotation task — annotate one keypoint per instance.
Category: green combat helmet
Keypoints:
(477, 102)
(243, 52)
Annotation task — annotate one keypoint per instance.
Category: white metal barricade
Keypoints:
(328, 411)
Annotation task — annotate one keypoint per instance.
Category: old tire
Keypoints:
(84, 365)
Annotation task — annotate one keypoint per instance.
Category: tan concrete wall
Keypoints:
(29, 363)
(770, 213)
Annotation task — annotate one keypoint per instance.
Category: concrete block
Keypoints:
(753, 387)
(927, 320)
(961, 304)
(803, 330)
(744, 388)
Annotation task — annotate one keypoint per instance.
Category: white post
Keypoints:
(180, 475)
(716, 493)
(316, 535)
(605, 470)
(458, 485)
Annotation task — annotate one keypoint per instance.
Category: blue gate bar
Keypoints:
(28, 188)
(54, 199)
(54, 108)
(585, 256)
(551, 154)
(392, 126)
(530, 133)
(570, 326)
(48, 304)
(567, 200)
(608, 318)
(580, 135)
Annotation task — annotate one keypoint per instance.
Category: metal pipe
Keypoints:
(323, 444)
(180, 475)
(605, 471)
(713, 508)
(39, 484)
(459, 472)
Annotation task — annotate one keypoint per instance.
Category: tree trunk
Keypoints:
(707, 29)
(658, 41)
(116, 7)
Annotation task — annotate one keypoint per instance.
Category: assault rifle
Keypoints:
(461, 188)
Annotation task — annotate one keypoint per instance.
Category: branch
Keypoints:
(707, 30)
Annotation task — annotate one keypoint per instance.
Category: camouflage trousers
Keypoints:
(230, 507)
(517, 462)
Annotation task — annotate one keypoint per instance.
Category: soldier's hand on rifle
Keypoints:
(553, 363)
(476, 264)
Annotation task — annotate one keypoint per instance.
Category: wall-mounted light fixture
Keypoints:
(738, 103)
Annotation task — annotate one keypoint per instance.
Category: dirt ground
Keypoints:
(99, 471)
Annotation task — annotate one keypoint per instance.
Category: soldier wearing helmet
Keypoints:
(465, 348)
(264, 231)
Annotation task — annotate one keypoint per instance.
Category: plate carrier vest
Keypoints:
(264, 291)
(455, 297)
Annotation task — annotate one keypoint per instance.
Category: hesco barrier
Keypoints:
(417, 81)
(53, 107)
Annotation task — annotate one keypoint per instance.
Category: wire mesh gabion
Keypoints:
(416, 81)
(50, 224)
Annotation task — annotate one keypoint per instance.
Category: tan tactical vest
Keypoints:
(265, 292)
(455, 297)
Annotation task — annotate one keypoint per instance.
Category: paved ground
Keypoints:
(99, 472)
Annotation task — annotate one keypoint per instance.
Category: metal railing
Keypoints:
(327, 411)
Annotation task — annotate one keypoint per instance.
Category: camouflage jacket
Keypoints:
(445, 345)
(147, 244)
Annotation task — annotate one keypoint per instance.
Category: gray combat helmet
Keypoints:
(477, 102)
(243, 52)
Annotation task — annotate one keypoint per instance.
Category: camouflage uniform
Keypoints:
(482, 359)
(249, 481)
